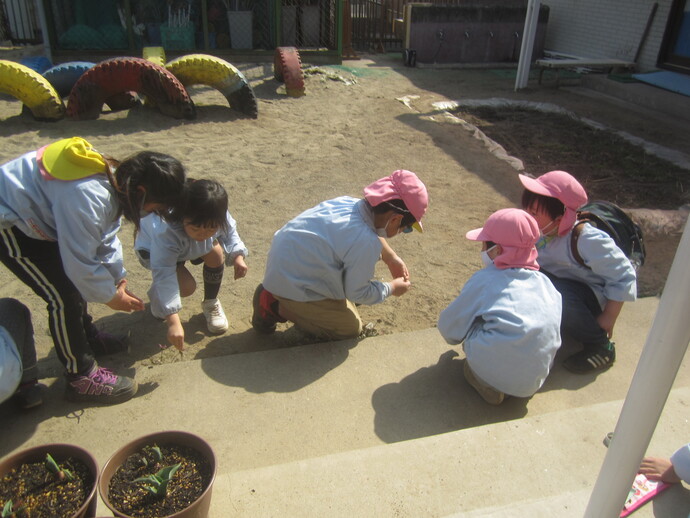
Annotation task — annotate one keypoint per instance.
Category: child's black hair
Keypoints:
(205, 204)
(162, 176)
(552, 206)
(399, 207)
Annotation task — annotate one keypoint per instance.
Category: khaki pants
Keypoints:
(331, 319)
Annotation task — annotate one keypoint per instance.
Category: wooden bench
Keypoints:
(558, 64)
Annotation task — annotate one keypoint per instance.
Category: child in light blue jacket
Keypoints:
(206, 233)
(508, 314)
(593, 291)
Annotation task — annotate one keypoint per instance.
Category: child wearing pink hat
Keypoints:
(321, 263)
(508, 314)
(593, 294)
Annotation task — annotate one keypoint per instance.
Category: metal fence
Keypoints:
(310, 24)
(19, 22)
(378, 24)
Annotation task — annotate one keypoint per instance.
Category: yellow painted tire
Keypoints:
(155, 55)
(194, 69)
(31, 88)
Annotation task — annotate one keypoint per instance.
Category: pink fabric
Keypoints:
(401, 185)
(39, 160)
(562, 186)
(516, 232)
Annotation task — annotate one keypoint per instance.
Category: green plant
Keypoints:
(55, 469)
(158, 483)
(8, 510)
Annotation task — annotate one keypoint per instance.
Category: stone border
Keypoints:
(653, 222)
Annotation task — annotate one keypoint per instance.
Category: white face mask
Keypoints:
(544, 236)
(381, 232)
(484, 254)
(543, 230)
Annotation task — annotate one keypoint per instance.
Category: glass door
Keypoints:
(675, 49)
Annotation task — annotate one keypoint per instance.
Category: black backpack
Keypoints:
(611, 219)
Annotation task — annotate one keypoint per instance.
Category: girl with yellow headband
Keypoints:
(60, 210)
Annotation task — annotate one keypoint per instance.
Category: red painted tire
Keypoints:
(287, 68)
(119, 75)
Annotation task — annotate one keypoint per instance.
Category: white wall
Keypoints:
(606, 29)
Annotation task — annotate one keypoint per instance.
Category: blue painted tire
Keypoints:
(63, 76)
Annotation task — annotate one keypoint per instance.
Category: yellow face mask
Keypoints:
(70, 159)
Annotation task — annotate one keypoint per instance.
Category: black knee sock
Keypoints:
(212, 279)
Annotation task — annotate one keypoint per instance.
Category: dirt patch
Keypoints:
(609, 167)
(339, 137)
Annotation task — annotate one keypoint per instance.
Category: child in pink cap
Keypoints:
(321, 263)
(593, 294)
(508, 314)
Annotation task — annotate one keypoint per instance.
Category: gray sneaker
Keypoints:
(100, 386)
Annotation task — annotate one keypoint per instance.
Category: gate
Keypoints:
(19, 22)
(378, 24)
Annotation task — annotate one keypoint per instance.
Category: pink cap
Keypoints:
(401, 185)
(516, 232)
(562, 186)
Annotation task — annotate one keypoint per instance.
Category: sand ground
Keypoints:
(349, 129)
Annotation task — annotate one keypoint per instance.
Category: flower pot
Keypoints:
(60, 452)
(167, 440)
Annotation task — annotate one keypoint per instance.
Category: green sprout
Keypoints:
(157, 453)
(158, 483)
(8, 510)
(60, 473)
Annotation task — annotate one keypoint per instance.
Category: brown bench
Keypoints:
(558, 64)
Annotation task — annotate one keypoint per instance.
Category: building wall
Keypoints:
(606, 29)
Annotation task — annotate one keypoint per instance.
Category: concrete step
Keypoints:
(327, 403)
(538, 466)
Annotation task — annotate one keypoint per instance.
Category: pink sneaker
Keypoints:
(100, 386)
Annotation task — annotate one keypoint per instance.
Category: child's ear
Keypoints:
(496, 251)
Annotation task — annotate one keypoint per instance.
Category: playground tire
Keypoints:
(287, 68)
(38, 63)
(154, 55)
(125, 74)
(31, 88)
(65, 75)
(217, 73)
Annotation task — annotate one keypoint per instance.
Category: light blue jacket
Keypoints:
(327, 252)
(167, 245)
(509, 321)
(681, 463)
(610, 275)
(10, 365)
(81, 215)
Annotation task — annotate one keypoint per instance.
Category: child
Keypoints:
(508, 313)
(205, 233)
(321, 263)
(60, 209)
(18, 367)
(593, 295)
(671, 470)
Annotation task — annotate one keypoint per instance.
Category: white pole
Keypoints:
(527, 46)
(44, 29)
(656, 370)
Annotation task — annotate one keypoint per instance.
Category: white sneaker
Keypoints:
(215, 317)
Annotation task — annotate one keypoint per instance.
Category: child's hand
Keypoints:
(240, 267)
(175, 331)
(124, 300)
(397, 267)
(399, 286)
